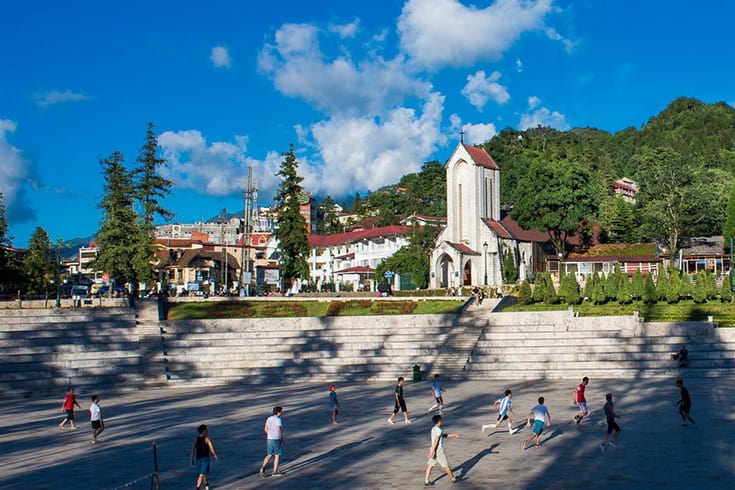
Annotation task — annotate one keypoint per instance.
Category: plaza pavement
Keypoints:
(363, 451)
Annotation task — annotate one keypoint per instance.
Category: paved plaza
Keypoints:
(363, 451)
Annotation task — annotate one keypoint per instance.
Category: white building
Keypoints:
(470, 250)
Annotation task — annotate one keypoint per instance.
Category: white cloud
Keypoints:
(553, 34)
(519, 65)
(298, 68)
(543, 117)
(47, 98)
(220, 57)
(479, 89)
(345, 30)
(15, 173)
(218, 168)
(473, 134)
(437, 33)
(533, 102)
(364, 152)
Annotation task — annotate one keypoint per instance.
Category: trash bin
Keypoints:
(416, 372)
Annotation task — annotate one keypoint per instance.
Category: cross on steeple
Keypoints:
(461, 136)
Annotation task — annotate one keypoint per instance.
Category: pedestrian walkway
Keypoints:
(363, 451)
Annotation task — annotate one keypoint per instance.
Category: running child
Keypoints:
(580, 400)
(610, 415)
(95, 416)
(540, 415)
(503, 405)
(333, 403)
(436, 452)
(67, 406)
(684, 403)
(200, 452)
(436, 394)
(400, 403)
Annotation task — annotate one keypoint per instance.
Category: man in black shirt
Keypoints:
(684, 403)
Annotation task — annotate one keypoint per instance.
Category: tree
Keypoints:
(726, 290)
(330, 218)
(40, 263)
(662, 285)
(699, 295)
(729, 229)
(610, 285)
(712, 289)
(357, 204)
(569, 289)
(414, 258)
(588, 285)
(510, 272)
(685, 286)
(672, 292)
(550, 296)
(637, 286)
(650, 296)
(120, 228)
(539, 289)
(5, 260)
(291, 232)
(525, 295)
(623, 290)
(554, 197)
(150, 190)
(617, 220)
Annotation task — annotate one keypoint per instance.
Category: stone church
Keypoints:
(470, 249)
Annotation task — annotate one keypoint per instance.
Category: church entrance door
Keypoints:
(467, 274)
(446, 269)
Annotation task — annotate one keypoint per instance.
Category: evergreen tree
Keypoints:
(5, 260)
(610, 286)
(589, 284)
(291, 233)
(525, 295)
(650, 296)
(699, 295)
(330, 218)
(510, 272)
(729, 228)
(40, 263)
(712, 289)
(150, 191)
(662, 285)
(672, 293)
(726, 290)
(569, 289)
(598, 295)
(120, 228)
(685, 286)
(550, 296)
(617, 219)
(623, 290)
(637, 286)
(357, 204)
(539, 288)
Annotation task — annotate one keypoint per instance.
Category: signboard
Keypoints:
(271, 276)
(247, 277)
(388, 274)
(106, 277)
(192, 286)
(200, 277)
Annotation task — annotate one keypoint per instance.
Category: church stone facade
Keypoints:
(470, 249)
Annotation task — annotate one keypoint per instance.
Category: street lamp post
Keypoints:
(484, 247)
(57, 277)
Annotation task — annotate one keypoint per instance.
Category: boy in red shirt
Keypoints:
(580, 400)
(68, 406)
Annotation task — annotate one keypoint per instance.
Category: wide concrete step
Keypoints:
(563, 342)
(602, 373)
(488, 364)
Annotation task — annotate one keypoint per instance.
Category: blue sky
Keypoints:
(367, 91)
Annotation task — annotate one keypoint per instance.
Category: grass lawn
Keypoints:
(270, 309)
(723, 313)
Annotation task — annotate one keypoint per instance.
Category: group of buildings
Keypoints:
(474, 239)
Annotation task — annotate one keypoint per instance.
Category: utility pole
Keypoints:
(247, 230)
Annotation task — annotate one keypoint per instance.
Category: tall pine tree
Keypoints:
(291, 233)
(40, 263)
(729, 228)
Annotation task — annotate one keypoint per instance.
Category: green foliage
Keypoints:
(618, 220)
(685, 286)
(569, 289)
(729, 229)
(672, 292)
(623, 290)
(650, 295)
(554, 197)
(550, 296)
(699, 295)
(637, 286)
(712, 289)
(510, 272)
(525, 295)
(539, 289)
(610, 286)
(330, 218)
(726, 290)
(662, 284)
(588, 284)
(120, 229)
(597, 290)
(291, 232)
(40, 263)
(414, 258)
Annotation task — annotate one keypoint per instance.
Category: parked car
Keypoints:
(117, 291)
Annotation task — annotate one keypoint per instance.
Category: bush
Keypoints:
(685, 286)
(699, 295)
(711, 285)
(539, 289)
(569, 289)
(637, 286)
(525, 295)
(610, 286)
(280, 309)
(550, 296)
(726, 290)
(672, 293)
(650, 296)
(662, 285)
(510, 272)
(393, 307)
(623, 293)
(335, 308)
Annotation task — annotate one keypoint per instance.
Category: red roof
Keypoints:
(463, 248)
(518, 233)
(356, 236)
(360, 269)
(481, 157)
(624, 186)
(498, 229)
(430, 218)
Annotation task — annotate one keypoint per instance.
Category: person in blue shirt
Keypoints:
(333, 403)
(436, 394)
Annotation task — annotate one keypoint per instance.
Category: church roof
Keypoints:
(463, 248)
(481, 157)
(508, 228)
(360, 269)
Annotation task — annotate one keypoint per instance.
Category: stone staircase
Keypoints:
(563, 345)
(43, 349)
(313, 349)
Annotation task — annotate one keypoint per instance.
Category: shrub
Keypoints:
(726, 290)
(335, 308)
(539, 289)
(662, 285)
(699, 295)
(569, 289)
(393, 307)
(525, 295)
(711, 285)
(610, 285)
(637, 286)
(550, 296)
(623, 293)
(510, 272)
(672, 293)
(685, 286)
(649, 290)
(282, 308)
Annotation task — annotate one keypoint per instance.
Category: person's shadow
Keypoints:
(467, 465)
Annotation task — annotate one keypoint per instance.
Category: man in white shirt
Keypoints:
(540, 415)
(436, 452)
(95, 416)
(274, 441)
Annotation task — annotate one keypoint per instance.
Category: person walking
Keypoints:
(95, 416)
(436, 394)
(333, 403)
(684, 403)
(436, 452)
(540, 415)
(400, 402)
(612, 425)
(274, 441)
(200, 453)
(580, 400)
(67, 406)
(503, 405)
